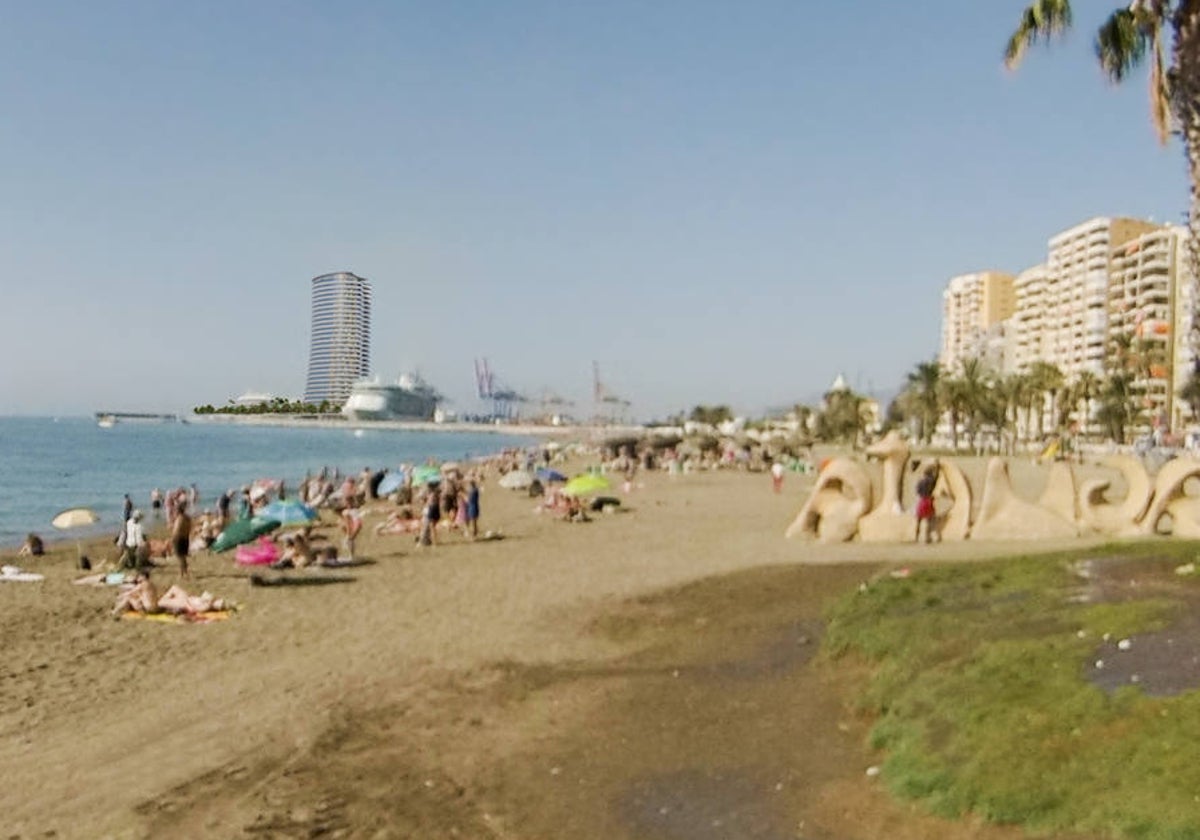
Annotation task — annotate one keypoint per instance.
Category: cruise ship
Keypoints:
(408, 398)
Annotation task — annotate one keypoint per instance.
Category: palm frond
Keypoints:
(1121, 44)
(1041, 21)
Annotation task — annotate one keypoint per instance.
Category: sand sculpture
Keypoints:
(843, 504)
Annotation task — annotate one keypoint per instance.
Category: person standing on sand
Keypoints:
(431, 515)
(925, 508)
(351, 522)
(156, 501)
(133, 542)
(128, 508)
(777, 477)
(181, 539)
(223, 507)
(472, 509)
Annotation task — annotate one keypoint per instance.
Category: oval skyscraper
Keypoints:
(340, 352)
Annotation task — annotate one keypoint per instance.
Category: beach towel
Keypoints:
(178, 618)
(16, 575)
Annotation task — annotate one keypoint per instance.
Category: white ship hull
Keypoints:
(371, 400)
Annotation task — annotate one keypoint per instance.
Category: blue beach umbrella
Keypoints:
(548, 475)
(288, 512)
(392, 482)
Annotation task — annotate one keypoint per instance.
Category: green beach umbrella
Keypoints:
(582, 485)
(242, 531)
(426, 475)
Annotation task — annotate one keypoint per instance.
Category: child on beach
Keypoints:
(925, 507)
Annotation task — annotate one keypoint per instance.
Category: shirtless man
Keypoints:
(181, 538)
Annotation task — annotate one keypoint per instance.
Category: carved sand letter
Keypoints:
(1168, 489)
(841, 496)
(956, 522)
(1004, 516)
(889, 522)
(1098, 514)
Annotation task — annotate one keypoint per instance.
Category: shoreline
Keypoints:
(588, 433)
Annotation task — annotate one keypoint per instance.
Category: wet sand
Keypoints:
(645, 674)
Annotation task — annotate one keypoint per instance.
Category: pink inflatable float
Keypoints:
(261, 553)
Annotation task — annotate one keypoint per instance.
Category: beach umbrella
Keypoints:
(79, 517)
(426, 475)
(582, 485)
(75, 518)
(516, 480)
(242, 531)
(392, 482)
(288, 512)
(548, 475)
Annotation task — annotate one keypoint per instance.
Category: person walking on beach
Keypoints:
(156, 501)
(181, 539)
(472, 509)
(133, 542)
(431, 515)
(925, 508)
(128, 508)
(777, 477)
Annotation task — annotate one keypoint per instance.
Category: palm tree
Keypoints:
(844, 418)
(1190, 392)
(1118, 405)
(1129, 37)
(952, 396)
(1083, 390)
(975, 394)
(926, 397)
(1044, 378)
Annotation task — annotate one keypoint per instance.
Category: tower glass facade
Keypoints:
(340, 352)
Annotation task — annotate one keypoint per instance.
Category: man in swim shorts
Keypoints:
(181, 538)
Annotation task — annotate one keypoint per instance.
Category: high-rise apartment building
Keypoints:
(1150, 317)
(1028, 333)
(340, 350)
(973, 308)
(1075, 304)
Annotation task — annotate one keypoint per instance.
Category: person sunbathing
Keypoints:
(176, 600)
(144, 598)
(399, 522)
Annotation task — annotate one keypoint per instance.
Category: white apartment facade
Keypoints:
(974, 307)
(1075, 315)
(1151, 307)
(1103, 278)
(1028, 334)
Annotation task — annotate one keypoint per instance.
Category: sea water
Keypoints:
(50, 464)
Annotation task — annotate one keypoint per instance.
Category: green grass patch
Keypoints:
(981, 704)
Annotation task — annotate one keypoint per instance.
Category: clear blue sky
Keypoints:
(717, 202)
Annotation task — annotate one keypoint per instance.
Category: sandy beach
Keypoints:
(644, 674)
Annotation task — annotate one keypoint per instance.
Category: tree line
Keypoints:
(277, 405)
(1038, 403)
